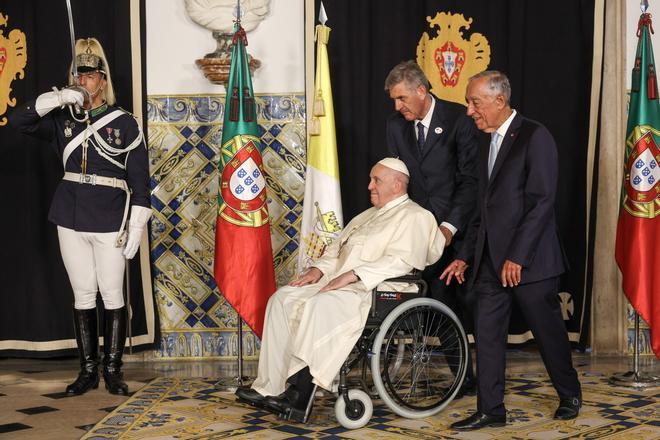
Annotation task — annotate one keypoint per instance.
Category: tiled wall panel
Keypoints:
(184, 133)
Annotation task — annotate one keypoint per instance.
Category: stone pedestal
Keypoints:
(216, 65)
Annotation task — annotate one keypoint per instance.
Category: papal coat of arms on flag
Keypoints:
(448, 60)
(243, 255)
(322, 219)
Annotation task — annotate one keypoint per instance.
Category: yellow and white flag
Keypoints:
(322, 218)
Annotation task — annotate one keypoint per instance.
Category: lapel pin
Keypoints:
(438, 130)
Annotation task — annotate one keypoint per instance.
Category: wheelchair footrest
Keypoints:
(260, 404)
(294, 415)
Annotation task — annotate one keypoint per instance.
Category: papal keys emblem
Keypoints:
(242, 184)
(449, 60)
(642, 190)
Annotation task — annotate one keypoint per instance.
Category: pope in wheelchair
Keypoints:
(322, 322)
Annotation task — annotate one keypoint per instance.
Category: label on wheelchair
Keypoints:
(386, 301)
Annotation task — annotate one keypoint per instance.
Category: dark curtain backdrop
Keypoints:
(545, 47)
(34, 287)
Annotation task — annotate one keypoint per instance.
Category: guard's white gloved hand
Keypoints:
(139, 218)
(58, 98)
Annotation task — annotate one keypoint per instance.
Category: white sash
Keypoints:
(76, 141)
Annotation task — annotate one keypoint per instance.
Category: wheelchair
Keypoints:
(416, 350)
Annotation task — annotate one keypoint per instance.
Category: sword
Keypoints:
(72, 34)
(75, 109)
(129, 311)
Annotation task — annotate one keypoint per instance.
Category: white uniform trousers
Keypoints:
(305, 328)
(93, 264)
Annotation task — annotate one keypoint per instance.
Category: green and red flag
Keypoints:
(243, 254)
(638, 229)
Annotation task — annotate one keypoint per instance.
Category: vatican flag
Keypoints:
(322, 218)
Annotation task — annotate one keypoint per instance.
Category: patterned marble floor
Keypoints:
(32, 405)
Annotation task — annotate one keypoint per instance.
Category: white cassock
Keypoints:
(306, 328)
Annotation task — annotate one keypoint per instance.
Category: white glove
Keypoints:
(139, 218)
(58, 98)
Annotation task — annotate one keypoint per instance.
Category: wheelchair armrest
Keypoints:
(413, 277)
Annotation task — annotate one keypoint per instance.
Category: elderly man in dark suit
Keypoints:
(438, 143)
(514, 248)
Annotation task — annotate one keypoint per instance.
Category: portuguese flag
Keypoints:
(638, 229)
(243, 255)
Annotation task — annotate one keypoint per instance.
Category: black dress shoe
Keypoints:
(479, 420)
(568, 408)
(248, 395)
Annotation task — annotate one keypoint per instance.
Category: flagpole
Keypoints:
(635, 379)
(240, 377)
(231, 384)
(644, 112)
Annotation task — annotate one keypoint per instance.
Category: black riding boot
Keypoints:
(114, 339)
(84, 323)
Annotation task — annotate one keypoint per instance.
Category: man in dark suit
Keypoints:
(438, 143)
(514, 248)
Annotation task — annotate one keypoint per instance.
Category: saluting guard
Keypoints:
(100, 207)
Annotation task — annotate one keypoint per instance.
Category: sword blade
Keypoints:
(72, 34)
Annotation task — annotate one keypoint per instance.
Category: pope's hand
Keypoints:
(310, 276)
(341, 281)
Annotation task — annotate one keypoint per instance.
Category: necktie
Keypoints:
(420, 137)
(492, 153)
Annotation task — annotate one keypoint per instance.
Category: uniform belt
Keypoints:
(112, 182)
(94, 179)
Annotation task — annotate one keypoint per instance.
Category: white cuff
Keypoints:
(139, 216)
(451, 228)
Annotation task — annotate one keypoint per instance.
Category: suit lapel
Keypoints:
(505, 148)
(484, 145)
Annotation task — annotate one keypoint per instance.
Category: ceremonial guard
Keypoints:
(100, 207)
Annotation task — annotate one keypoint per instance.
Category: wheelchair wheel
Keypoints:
(357, 413)
(419, 358)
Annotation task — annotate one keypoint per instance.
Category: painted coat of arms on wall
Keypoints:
(13, 59)
(449, 60)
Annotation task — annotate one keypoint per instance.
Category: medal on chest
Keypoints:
(68, 128)
(114, 136)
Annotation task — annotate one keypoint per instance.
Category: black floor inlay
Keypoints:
(85, 428)
(59, 395)
(11, 427)
(37, 410)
